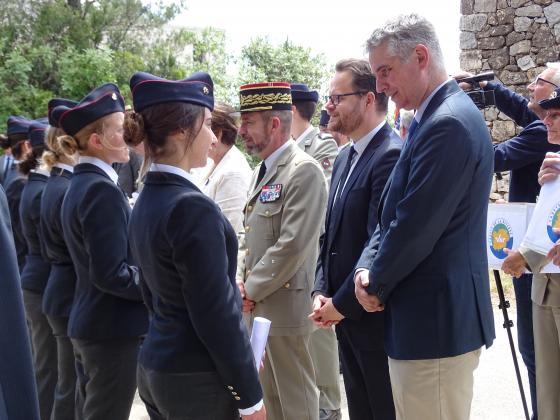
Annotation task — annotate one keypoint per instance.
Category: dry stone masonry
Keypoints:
(515, 39)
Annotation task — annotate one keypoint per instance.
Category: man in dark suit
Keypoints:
(426, 263)
(360, 173)
(18, 392)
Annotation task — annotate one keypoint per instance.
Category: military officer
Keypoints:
(288, 192)
(323, 148)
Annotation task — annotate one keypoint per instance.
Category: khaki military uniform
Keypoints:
(323, 344)
(278, 259)
(545, 294)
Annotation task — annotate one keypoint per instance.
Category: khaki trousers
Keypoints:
(323, 347)
(546, 328)
(434, 389)
(288, 379)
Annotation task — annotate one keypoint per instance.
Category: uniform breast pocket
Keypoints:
(270, 217)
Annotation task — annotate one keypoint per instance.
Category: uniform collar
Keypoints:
(362, 143)
(269, 161)
(64, 166)
(303, 135)
(161, 167)
(104, 166)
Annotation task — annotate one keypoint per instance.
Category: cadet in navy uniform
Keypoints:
(36, 272)
(107, 316)
(59, 291)
(18, 394)
(196, 361)
(15, 180)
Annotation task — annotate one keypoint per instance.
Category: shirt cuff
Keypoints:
(251, 410)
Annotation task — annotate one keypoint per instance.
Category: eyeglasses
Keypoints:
(335, 99)
(540, 81)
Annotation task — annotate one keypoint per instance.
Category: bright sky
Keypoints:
(336, 29)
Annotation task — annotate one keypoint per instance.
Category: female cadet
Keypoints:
(107, 316)
(59, 291)
(15, 180)
(196, 361)
(36, 272)
(227, 183)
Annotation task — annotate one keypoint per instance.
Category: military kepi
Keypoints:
(553, 101)
(270, 96)
(148, 90)
(18, 127)
(53, 103)
(36, 134)
(103, 100)
(301, 92)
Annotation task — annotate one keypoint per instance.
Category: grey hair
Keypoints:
(556, 67)
(406, 118)
(402, 34)
(285, 118)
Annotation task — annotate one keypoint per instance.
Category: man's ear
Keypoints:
(422, 56)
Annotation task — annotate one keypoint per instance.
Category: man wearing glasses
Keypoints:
(359, 176)
(523, 155)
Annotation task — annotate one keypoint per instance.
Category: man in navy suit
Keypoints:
(360, 173)
(426, 263)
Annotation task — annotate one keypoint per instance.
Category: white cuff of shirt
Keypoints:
(251, 410)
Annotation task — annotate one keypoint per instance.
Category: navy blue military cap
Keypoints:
(148, 90)
(301, 92)
(103, 100)
(17, 129)
(36, 134)
(53, 103)
(553, 101)
(325, 118)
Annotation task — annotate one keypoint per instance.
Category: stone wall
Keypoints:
(515, 39)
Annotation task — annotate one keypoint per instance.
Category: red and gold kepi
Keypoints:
(269, 96)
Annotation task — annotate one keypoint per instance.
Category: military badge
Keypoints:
(553, 95)
(326, 163)
(270, 193)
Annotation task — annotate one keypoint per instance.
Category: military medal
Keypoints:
(270, 193)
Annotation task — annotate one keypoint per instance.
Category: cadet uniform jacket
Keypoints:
(283, 219)
(36, 270)
(323, 149)
(14, 187)
(107, 302)
(59, 292)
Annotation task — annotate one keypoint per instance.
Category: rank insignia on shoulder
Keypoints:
(270, 193)
(326, 163)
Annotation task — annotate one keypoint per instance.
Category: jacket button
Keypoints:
(267, 212)
(237, 398)
(230, 387)
(248, 251)
(287, 285)
(247, 228)
(234, 393)
(249, 208)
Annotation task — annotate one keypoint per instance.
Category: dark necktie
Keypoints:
(262, 171)
(412, 128)
(345, 172)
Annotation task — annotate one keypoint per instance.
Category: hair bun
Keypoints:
(134, 129)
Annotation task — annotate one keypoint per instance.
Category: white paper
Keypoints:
(505, 228)
(259, 336)
(546, 216)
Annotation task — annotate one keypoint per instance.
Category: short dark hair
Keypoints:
(363, 79)
(306, 109)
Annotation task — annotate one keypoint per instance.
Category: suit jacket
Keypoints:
(283, 219)
(522, 154)
(228, 186)
(187, 252)
(107, 302)
(14, 187)
(61, 284)
(18, 393)
(36, 270)
(3, 169)
(427, 260)
(352, 220)
(322, 148)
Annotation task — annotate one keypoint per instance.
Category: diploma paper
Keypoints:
(540, 235)
(259, 336)
(505, 228)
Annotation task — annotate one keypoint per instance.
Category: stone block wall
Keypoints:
(515, 39)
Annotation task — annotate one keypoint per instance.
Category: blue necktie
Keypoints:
(412, 128)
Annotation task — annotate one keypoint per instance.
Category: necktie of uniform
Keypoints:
(262, 171)
(345, 172)
(412, 128)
